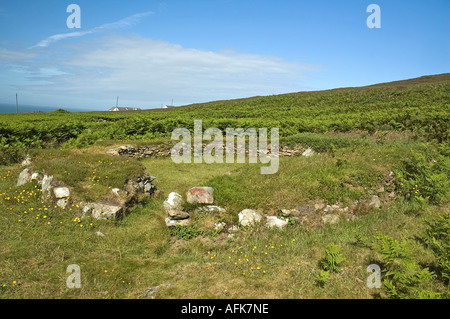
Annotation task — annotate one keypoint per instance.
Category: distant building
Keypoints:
(119, 109)
(168, 106)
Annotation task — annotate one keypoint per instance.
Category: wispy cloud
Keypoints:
(147, 72)
(123, 23)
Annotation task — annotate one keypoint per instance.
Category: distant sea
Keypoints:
(11, 108)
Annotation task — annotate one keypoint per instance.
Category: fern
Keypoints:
(333, 259)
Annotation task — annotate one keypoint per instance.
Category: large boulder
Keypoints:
(249, 217)
(200, 195)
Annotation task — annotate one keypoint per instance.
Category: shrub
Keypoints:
(332, 260)
(403, 277)
(422, 177)
(322, 277)
(437, 238)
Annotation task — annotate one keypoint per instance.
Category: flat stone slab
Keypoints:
(61, 192)
(172, 222)
(103, 211)
(200, 195)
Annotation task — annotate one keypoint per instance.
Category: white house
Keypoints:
(118, 109)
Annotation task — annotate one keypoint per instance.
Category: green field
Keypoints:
(361, 136)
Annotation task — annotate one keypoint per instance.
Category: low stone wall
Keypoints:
(163, 151)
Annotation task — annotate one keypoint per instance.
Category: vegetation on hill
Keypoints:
(418, 105)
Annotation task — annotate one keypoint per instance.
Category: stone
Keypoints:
(219, 225)
(233, 229)
(329, 209)
(375, 202)
(249, 217)
(173, 202)
(100, 234)
(150, 293)
(103, 211)
(46, 186)
(117, 191)
(174, 207)
(290, 212)
(172, 222)
(330, 219)
(200, 195)
(113, 152)
(26, 161)
(61, 192)
(62, 202)
(212, 209)
(274, 221)
(308, 152)
(319, 206)
(177, 214)
(35, 176)
(24, 177)
(87, 210)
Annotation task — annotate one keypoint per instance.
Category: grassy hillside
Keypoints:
(388, 140)
(420, 105)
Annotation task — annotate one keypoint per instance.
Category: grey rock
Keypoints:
(103, 211)
(177, 214)
(26, 161)
(172, 222)
(24, 177)
(249, 217)
(46, 186)
(330, 219)
(219, 225)
(61, 192)
(375, 202)
(173, 202)
(62, 202)
(233, 229)
(308, 152)
(212, 209)
(150, 293)
(273, 221)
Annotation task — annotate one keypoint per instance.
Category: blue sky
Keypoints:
(150, 52)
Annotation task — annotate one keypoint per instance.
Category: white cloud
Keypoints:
(126, 22)
(146, 72)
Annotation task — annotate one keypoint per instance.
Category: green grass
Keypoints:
(139, 251)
